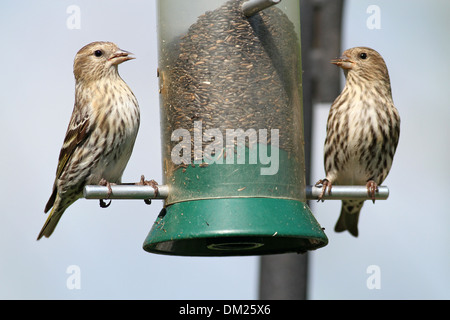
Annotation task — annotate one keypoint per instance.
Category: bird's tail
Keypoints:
(53, 218)
(348, 220)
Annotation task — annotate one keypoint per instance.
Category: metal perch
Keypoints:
(127, 192)
(346, 193)
(137, 192)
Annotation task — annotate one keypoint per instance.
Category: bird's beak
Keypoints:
(344, 62)
(121, 56)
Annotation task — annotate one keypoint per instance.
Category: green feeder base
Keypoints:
(235, 227)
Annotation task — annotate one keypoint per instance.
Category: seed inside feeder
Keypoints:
(233, 72)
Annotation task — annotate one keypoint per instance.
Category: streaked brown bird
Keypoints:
(363, 130)
(102, 130)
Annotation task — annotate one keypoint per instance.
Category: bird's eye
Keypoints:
(363, 55)
(98, 53)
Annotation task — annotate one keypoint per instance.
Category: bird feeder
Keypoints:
(232, 132)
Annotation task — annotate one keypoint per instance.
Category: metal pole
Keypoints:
(286, 276)
(126, 192)
(147, 192)
(346, 193)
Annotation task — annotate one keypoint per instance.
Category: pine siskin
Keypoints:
(102, 130)
(363, 130)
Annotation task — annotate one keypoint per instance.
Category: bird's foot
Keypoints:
(103, 204)
(325, 183)
(372, 189)
(105, 183)
(151, 183)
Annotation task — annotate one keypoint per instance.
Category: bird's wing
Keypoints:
(78, 131)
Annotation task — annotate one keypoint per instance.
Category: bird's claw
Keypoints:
(151, 183)
(105, 183)
(372, 189)
(103, 204)
(325, 183)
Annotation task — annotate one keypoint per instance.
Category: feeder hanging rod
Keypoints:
(147, 192)
(252, 7)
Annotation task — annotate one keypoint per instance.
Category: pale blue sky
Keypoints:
(406, 236)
